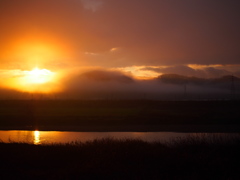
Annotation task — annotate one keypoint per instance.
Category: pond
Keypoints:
(46, 137)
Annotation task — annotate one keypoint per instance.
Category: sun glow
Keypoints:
(38, 76)
(140, 72)
(37, 80)
(34, 81)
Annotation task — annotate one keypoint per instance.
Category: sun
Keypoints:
(35, 81)
(38, 76)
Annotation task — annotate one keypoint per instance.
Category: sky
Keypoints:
(138, 38)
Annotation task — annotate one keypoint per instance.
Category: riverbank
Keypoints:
(135, 128)
(138, 116)
(196, 157)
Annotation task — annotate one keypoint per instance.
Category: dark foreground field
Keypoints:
(76, 115)
(202, 157)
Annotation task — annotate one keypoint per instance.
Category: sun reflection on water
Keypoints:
(36, 137)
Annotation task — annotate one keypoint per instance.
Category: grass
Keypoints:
(194, 157)
(204, 157)
(120, 114)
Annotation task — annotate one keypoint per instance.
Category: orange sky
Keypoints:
(141, 38)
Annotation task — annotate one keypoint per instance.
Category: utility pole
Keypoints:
(232, 88)
(185, 91)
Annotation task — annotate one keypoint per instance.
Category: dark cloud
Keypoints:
(213, 72)
(181, 80)
(101, 75)
(224, 82)
(204, 72)
(180, 69)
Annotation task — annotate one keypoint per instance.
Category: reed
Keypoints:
(194, 157)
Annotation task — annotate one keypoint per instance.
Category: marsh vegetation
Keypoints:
(194, 157)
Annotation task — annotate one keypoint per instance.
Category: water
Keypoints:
(43, 137)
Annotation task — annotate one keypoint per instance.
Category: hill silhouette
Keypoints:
(180, 79)
(102, 75)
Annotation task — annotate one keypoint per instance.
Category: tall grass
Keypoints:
(194, 157)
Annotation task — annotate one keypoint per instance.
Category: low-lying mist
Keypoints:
(114, 85)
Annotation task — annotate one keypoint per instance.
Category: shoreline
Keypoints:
(133, 128)
(120, 116)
